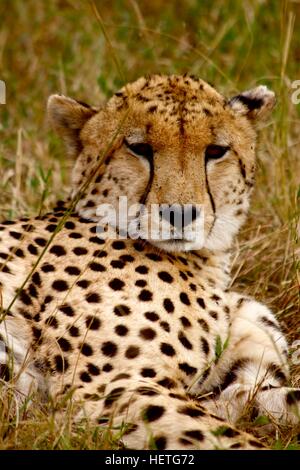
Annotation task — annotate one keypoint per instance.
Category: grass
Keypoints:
(65, 46)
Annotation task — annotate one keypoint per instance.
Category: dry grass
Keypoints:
(61, 46)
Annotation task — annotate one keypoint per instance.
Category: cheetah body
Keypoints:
(145, 333)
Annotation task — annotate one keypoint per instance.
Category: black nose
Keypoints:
(179, 215)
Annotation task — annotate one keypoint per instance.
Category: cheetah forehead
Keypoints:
(171, 95)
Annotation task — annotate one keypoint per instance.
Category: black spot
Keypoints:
(167, 349)
(70, 225)
(83, 283)
(109, 349)
(184, 298)
(184, 341)
(74, 331)
(37, 333)
(86, 349)
(183, 275)
(97, 267)
(113, 396)
(231, 375)
(168, 305)
(152, 316)
(97, 240)
(60, 285)
(93, 370)
(141, 283)
(201, 302)
(40, 242)
(72, 270)
(122, 310)
(32, 290)
(75, 235)
(92, 323)
(24, 298)
(165, 326)
(127, 258)
(61, 364)
(47, 268)
(142, 269)
(100, 254)
(15, 235)
(185, 322)
(190, 411)
(195, 434)
(19, 253)
(64, 344)
(52, 321)
(145, 295)
(117, 264)
(132, 352)
(154, 257)
(118, 245)
(93, 298)
(160, 442)
(58, 250)
(203, 324)
(187, 369)
(51, 227)
(116, 284)
(85, 377)
(213, 314)
(147, 334)
(147, 372)
(153, 413)
(167, 383)
(107, 367)
(32, 249)
(204, 345)
(79, 251)
(166, 277)
(120, 376)
(36, 279)
(67, 310)
(121, 330)
(269, 322)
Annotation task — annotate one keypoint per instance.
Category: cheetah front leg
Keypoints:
(17, 369)
(147, 415)
(252, 369)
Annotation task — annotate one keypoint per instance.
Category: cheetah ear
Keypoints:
(256, 104)
(67, 117)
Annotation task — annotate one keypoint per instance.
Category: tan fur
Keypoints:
(146, 332)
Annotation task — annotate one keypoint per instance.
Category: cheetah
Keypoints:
(144, 331)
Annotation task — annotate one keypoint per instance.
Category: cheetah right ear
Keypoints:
(67, 117)
(256, 103)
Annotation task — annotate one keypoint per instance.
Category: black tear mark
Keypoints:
(242, 168)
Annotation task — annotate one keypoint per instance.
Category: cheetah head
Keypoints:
(179, 152)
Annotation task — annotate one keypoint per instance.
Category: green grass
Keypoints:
(63, 46)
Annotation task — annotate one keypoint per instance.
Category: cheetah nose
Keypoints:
(179, 215)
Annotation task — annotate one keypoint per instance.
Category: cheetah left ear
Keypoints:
(67, 117)
(256, 104)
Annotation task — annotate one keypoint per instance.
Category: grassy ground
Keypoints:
(61, 46)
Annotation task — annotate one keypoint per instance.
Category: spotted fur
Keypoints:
(146, 333)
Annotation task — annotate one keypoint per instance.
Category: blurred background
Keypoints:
(88, 50)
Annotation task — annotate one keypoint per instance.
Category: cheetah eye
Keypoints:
(213, 152)
(141, 149)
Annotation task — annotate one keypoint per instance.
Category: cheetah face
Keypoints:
(181, 154)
